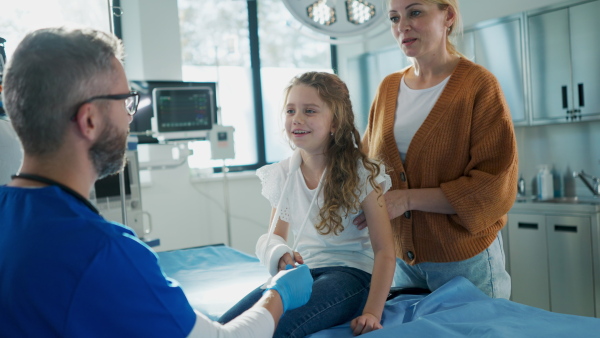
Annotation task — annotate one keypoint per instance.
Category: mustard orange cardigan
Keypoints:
(467, 147)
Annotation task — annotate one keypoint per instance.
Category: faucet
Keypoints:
(594, 186)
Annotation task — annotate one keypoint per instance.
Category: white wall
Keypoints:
(474, 11)
(188, 212)
(151, 38)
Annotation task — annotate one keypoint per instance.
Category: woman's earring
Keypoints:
(331, 133)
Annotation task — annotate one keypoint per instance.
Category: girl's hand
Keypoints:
(287, 259)
(364, 324)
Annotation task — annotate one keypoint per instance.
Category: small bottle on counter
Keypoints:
(521, 191)
(569, 183)
(557, 182)
(545, 183)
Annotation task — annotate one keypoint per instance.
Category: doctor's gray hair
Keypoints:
(51, 72)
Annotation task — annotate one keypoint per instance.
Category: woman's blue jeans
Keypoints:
(339, 295)
(486, 270)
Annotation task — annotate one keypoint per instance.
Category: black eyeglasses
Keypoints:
(131, 101)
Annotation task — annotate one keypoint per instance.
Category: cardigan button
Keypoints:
(410, 255)
(403, 176)
(407, 214)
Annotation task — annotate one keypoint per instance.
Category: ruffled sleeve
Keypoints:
(366, 187)
(272, 178)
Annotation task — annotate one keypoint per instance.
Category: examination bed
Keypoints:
(215, 277)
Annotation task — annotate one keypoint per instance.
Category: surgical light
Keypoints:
(359, 11)
(320, 13)
(341, 21)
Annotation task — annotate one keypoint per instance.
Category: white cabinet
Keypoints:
(570, 265)
(563, 59)
(552, 262)
(528, 257)
(496, 45)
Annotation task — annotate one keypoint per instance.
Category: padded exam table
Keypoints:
(214, 278)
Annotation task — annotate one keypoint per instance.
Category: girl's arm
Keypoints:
(282, 229)
(380, 232)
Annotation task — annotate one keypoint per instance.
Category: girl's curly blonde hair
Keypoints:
(341, 181)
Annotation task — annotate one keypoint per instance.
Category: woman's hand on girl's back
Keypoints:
(396, 202)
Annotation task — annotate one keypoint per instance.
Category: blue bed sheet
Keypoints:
(214, 278)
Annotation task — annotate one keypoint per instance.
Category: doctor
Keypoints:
(64, 270)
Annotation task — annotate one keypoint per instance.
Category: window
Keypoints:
(284, 53)
(20, 17)
(216, 40)
(215, 48)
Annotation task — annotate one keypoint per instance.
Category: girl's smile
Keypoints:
(308, 121)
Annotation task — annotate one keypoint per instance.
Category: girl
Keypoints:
(326, 182)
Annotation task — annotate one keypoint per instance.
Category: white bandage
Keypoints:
(270, 256)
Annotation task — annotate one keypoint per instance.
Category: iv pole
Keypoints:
(117, 11)
(225, 168)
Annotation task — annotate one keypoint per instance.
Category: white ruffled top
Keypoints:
(350, 248)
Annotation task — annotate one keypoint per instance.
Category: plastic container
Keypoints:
(545, 183)
(521, 191)
(557, 183)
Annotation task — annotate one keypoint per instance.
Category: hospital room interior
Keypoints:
(190, 179)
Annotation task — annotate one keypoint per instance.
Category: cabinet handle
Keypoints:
(580, 89)
(528, 226)
(565, 228)
(565, 98)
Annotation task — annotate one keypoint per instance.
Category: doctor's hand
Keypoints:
(287, 259)
(396, 203)
(364, 324)
(293, 285)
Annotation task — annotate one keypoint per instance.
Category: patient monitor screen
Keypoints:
(183, 109)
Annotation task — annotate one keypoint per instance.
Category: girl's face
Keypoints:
(420, 27)
(308, 121)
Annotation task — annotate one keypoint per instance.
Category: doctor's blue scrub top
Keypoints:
(66, 271)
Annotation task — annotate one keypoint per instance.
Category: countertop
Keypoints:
(585, 205)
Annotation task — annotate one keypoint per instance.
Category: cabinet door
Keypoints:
(550, 63)
(466, 45)
(529, 260)
(585, 52)
(498, 48)
(571, 268)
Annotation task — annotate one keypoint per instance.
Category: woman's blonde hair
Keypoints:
(457, 27)
(341, 182)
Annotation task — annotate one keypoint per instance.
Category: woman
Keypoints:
(444, 128)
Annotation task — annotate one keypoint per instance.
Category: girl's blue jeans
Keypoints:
(486, 270)
(339, 295)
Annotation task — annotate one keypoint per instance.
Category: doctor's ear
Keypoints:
(88, 121)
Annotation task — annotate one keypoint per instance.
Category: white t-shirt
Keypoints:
(351, 248)
(412, 109)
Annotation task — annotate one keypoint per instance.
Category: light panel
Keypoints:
(320, 13)
(359, 11)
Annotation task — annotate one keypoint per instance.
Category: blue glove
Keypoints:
(294, 285)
